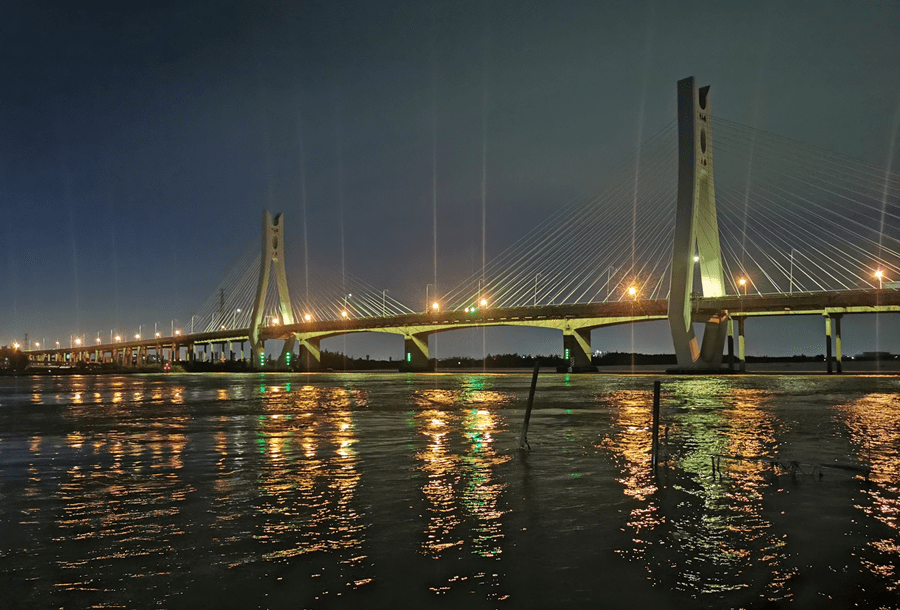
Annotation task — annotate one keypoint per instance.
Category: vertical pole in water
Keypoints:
(523, 440)
(828, 343)
(654, 445)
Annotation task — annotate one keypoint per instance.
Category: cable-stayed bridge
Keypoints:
(780, 228)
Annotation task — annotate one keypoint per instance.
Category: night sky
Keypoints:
(141, 141)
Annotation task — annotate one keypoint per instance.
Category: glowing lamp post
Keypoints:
(743, 283)
(880, 275)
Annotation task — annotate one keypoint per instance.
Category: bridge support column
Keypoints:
(730, 343)
(286, 358)
(310, 354)
(272, 261)
(742, 360)
(577, 351)
(837, 342)
(415, 353)
(696, 242)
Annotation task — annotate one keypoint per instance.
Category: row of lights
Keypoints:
(879, 274)
(435, 306)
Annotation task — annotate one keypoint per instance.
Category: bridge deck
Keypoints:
(579, 315)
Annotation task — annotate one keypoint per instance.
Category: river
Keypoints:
(394, 490)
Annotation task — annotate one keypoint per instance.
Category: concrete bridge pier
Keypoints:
(286, 358)
(742, 360)
(577, 351)
(730, 344)
(310, 354)
(837, 343)
(415, 353)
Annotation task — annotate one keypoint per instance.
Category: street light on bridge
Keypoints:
(307, 317)
(880, 275)
(743, 283)
(118, 338)
(632, 291)
(435, 306)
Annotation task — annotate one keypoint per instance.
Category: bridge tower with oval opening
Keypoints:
(696, 248)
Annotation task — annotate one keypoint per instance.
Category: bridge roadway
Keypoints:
(575, 320)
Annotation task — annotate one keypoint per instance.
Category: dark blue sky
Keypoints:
(140, 142)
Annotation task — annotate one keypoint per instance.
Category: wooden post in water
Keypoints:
(654, 445)
(523, 437)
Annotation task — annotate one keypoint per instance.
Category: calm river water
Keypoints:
(395, 490)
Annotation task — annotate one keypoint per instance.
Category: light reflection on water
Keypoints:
(462, 491)
(873, 422)
(309, 474)
(296, 490)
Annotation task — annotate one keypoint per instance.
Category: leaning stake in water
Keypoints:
(523, 438)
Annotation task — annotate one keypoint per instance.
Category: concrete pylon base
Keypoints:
(412, 367)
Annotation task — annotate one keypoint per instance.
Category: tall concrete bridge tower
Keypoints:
(696, 234)
(272, 260)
